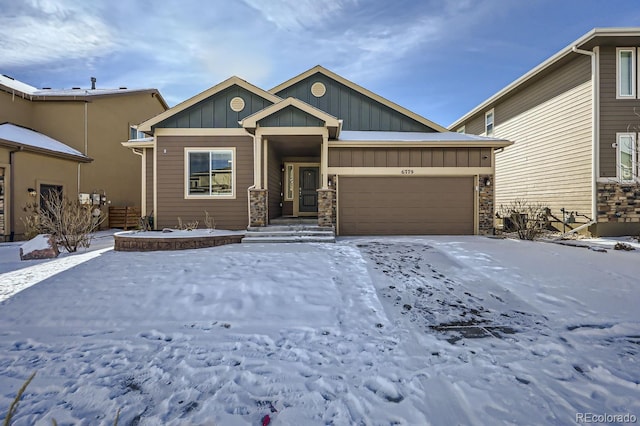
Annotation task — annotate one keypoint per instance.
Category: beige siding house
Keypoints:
(70, 141)
(315, 146)
(574, 123)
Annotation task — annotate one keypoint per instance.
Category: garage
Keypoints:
(408, 205)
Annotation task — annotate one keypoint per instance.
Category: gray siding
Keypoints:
(215, 112)
(291, 117)
(412, 157)
(274, 182)
(228, 213)
(616, 115)
(357, 111)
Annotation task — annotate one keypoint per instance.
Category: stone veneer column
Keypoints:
(326, 207)
(485, 205)
(258, 207)
(618, 203)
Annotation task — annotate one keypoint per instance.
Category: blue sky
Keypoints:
(437, 58)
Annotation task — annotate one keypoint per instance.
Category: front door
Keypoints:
(309, 182)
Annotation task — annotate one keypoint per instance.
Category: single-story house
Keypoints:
(317, 145)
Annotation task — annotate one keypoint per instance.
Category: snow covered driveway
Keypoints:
(374, 331)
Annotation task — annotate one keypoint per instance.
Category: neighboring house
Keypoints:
(319, 146)
(68, 141)
(575, 120)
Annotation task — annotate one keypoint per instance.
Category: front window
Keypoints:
(627, 157)
(210, 172)
(626, 66)
(488, 123)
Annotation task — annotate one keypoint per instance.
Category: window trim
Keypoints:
(634, 71)
(635, 167)
(493, 122)
(186, 182)
(462, 129)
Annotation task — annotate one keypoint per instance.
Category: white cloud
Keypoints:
(298, 14)
(46, 31)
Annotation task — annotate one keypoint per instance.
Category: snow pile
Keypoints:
(444, 330)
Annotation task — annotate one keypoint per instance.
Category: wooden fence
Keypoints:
(124, 217)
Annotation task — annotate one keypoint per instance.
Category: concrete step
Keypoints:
(290, 234)
(249, 239)
(290, 228)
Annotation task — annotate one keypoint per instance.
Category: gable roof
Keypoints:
(147, 125)
(587, 41)
(251, 122)
(320, 69)
(24, 139)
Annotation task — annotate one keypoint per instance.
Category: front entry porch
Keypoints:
(292, 168)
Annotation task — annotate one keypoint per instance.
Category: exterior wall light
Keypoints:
(32, 192)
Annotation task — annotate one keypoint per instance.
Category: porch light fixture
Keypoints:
(32, 192)
(487, 182)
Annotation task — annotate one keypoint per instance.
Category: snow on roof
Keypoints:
(19, 86)
(26, 89)
(370, 136)
(84, 92)
(33, 140)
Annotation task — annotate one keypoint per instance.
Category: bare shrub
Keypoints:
(187, 226)
(209, 221)
(528, 220)
(70, 222)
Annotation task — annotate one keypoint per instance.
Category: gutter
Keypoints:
(595, 119)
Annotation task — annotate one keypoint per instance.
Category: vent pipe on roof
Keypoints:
(93, 83)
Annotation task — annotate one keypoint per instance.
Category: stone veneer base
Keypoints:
(137, 243)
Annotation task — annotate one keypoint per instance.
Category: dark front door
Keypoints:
(309, 179)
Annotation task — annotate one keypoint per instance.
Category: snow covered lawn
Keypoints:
(438, 330)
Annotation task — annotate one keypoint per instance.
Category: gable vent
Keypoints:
(237, 104)
(318, 89)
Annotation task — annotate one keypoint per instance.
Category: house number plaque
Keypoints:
(407, 171)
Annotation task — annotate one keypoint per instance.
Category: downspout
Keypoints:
(143, 200)
(86, 137)
(12, 207)
(595, 136)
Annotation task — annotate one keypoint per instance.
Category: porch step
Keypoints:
(290, 234)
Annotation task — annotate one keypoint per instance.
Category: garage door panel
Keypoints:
(405, 205)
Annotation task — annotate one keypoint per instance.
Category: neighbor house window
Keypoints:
(461, 129)
(134, 133)
(626, 72)
(627, 157)
(488, 123)
(210, 172)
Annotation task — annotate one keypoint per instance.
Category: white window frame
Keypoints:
(635, 167)
(133, 131)
(187, 182)
(488, 132)
(634, 70)
(462, 129)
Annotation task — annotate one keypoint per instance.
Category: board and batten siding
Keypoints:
(358, 112)
(409, 157)
(616, 115)
(550, 161)
(171, 203)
